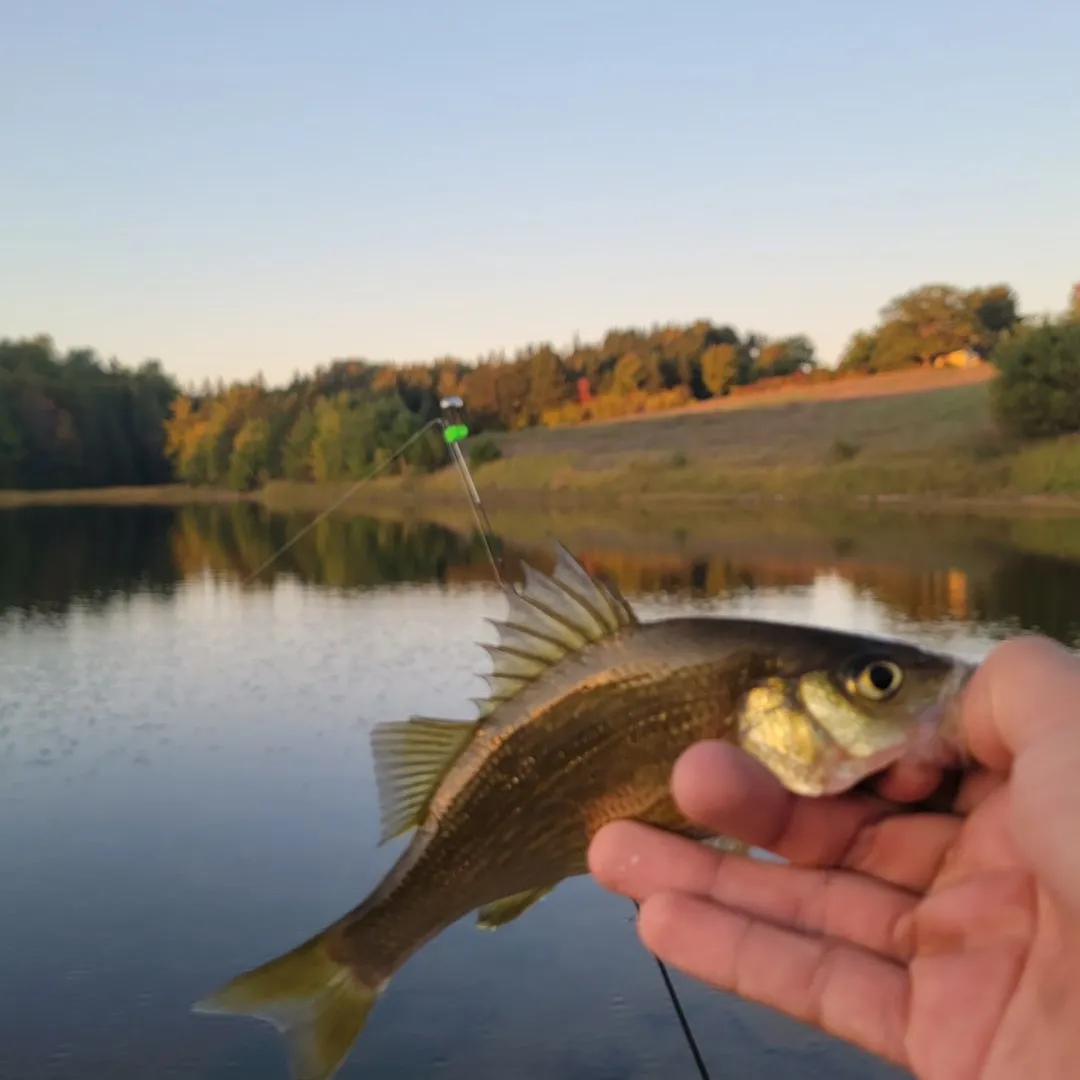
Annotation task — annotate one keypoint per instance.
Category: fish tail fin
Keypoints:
(317, 1003)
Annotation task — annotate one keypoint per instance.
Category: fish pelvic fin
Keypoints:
(411, 757)
(552, 617)
(500, 912)
(318, 1004)
(727, 844)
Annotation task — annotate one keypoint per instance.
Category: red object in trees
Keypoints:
(583, 392)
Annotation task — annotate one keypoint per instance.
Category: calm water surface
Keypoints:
(187, 791)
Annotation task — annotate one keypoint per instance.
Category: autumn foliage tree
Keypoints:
(932, 321)
(351, 416)
(719, 368)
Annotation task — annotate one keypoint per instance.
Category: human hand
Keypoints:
(947, 943)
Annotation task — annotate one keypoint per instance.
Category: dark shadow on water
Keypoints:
(53, 556)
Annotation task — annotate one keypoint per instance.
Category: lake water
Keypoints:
(186, 787)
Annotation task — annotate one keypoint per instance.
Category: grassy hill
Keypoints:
(882, 415)
(914, 436)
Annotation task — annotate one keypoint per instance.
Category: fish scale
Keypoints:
(588, 711)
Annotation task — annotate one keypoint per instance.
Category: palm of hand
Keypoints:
(924, 938)
(981, 944)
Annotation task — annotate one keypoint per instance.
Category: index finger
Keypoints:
(1023, 690)
(728, 791)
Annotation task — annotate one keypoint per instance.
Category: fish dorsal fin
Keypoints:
(550, 618)
(500, 912)
(411, 757)
(603, 597)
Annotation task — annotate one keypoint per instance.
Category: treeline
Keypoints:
(344, 419)
(934, 322)
(70, 421)
(75, 421)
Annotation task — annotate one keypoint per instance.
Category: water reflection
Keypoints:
(1004, 575)
(339, 552)
(186, 785)
(53, 556)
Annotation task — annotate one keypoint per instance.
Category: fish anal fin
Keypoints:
(500, 912)
(318, 1004)
(550, 619)
(411, 757)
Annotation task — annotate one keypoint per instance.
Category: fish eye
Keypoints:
(877, 680)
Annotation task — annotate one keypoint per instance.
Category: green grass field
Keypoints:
(926, 445)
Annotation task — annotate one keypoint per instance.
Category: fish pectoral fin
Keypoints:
(411, 757)
(317, 1004)
(727, 844)
(500, 912)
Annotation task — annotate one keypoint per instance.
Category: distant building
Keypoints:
(958, 358)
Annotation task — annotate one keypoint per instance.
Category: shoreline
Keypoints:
(151, 495)
(893, 445)
(283, 497)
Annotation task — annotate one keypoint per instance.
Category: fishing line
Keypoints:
(455, 429)
(370, 475)
(684, 1023)
(453, 433)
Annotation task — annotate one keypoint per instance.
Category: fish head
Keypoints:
(859, 707)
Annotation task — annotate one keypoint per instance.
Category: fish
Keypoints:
(588, 709)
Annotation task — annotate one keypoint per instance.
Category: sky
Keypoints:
(234, 187)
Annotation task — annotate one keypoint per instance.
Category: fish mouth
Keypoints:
(935, 740)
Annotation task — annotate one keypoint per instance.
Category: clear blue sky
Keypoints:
(235, 186)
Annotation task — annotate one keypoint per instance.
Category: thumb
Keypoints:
(1024, 690)
(1020, 715)
(1044, 793)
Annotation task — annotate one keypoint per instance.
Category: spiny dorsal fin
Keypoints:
(604, 598)
(549, 619)
(411, 757)
(500, 912)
